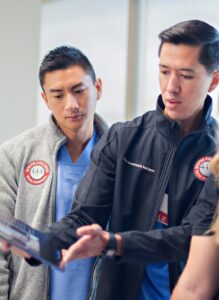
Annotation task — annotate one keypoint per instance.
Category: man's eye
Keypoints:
(79, 91)
(164, 72)
(187, 76)
(58, 97)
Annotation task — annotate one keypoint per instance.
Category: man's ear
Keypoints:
(43, 95)
(214, 82)
(98, 85)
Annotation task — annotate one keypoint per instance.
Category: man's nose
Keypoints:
(71, 102)
(173, 85)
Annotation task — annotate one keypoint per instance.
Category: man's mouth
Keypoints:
(173, 101)
(74, 117)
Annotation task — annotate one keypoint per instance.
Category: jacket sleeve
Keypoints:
(8, 191)
(172, 244)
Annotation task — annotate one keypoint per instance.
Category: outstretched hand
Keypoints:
(92, 242)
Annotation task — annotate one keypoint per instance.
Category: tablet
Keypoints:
(30, 240)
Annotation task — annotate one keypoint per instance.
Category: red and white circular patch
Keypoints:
(202, 169)
(37, 172)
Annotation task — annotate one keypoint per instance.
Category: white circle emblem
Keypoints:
(202, 169)
(37, 172)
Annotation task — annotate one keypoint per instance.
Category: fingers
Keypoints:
(91, 243)
(20, 253)
(77, 251)
(4, 247)
(64, 252)
(90, 229)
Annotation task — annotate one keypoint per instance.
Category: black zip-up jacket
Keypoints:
(124, 187)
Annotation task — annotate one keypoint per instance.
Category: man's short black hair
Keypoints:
(195, 33)
(64, 57)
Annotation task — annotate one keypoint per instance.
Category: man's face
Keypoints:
(71, 96)
(184, 82)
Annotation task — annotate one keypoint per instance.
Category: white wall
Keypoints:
(99, 29)
(19, 31)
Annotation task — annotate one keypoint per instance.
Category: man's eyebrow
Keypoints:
(180, 69)
(61, 90)
(77, 85)
(56, 90)
(163, 66)
(187, 70)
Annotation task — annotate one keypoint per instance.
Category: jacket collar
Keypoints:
(207, 109)
(99, 124)
(170, 127)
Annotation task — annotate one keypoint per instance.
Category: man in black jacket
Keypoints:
(146, 176)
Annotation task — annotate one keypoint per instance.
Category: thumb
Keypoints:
(89, 230)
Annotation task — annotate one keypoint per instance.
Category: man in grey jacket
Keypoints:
(42, 167)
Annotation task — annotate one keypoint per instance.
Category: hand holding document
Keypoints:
(26, 242)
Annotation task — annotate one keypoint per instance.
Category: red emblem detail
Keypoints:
(37, 172)
(201, 168)
(162, 217)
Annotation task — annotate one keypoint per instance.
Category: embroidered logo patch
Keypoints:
(201, 168)
(37, 172)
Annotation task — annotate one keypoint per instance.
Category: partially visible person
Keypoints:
(199, 280)
(41, 169)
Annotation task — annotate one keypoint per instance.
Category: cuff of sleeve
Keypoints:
(199, 230)
(33, 262)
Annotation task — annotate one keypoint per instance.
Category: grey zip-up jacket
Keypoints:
(28, 168)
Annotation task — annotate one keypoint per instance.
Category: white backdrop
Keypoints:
(99, 29)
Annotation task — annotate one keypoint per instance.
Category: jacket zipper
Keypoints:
(162, 184)
(53, 205)
(159, 191)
